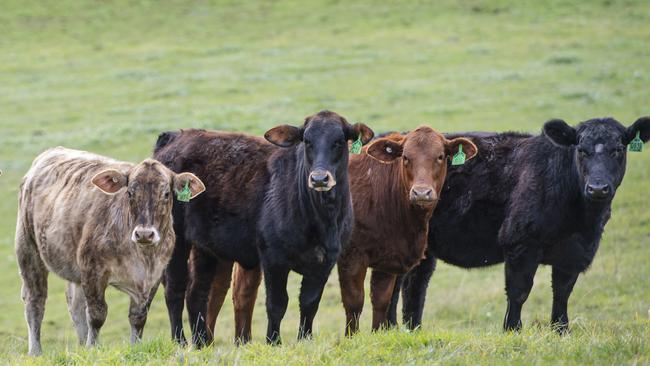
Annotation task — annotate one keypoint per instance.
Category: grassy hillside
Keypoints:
(108, 76)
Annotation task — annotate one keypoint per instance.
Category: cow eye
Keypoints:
(129, 193)
(336, 144)
(441, 157)
(166, 195)
(618, 152)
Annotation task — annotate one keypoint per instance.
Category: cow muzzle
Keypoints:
(598, 191)
(423, 195)
(145, 235)
(321, 180)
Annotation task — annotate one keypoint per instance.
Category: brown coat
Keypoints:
(395, 187)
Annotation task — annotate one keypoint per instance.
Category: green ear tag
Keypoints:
(636, 144)
(184, 194)
(459, 157)
(356, 146)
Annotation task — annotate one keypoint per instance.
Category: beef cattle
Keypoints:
(285, 205)
(395, 188)
(527, 200)
(95, 222)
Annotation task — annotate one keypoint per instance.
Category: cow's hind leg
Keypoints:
(175, 279)
(311, 291)
(244, 293)
(77, 307)
(351, 278)
(381, 291)
(138, 315)
(34, 289)
(414, 291)
(563, 283)
(218, 292)
(520, 273)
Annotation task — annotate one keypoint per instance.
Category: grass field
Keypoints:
(108, 76)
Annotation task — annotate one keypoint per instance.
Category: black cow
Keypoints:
(288, 206)
(526, 200)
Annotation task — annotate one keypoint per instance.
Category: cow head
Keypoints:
(324, 137)
(150, 187)
(423, 155)
(599, 148)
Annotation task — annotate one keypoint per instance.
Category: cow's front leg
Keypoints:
(204, 267)
(311, 291)
(277, 299)
(381, 291)
(138, 315)
(77, 308)
(414, 291)
(563, 283)
(520, 269)
(351, 278)
(94, 286)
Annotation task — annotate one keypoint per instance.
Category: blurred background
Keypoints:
(109, 76)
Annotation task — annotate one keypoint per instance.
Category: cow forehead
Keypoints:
(606, 132)
(324, 126)
(424, 140)
(150, 171)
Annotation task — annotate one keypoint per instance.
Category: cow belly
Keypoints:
(468, 255)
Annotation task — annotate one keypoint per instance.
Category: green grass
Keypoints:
(109, 76)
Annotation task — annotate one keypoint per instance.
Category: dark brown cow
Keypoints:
(395, 188)
(95, 222)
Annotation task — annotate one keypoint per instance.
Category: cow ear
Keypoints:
(284, 135)
(642, 127)
(110, 181)
(469, 149)
(190, 180)
(359, 130)
(385, 150)
(560, 133)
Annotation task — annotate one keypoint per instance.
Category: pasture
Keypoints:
(109, 76)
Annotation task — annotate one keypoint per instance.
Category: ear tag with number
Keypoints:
(636, 144)
(184, 194)
(459, 157)
(356, 146)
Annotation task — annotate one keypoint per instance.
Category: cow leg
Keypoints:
(176, 278)
(381, 292)
(414, 291)
(244, 294)
(392, 309)
(520, 273)
(34, 289)
(563, 283)
(351, 278)
(94, 287)
(311, 291)
(138, 315)
(204, 267)
(218, 291)
(275, 280)
(77, 307)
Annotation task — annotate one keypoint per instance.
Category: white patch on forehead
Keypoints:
(599, 148)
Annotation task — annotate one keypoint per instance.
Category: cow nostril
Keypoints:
(605, 189)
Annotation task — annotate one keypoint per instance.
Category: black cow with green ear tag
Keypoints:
(527, 200)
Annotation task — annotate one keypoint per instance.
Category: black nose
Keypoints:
(144, 235)
(421, 194)
(319, 179)
(598, 191)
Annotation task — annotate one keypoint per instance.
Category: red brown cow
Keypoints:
(95, 222)
(395, 188)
